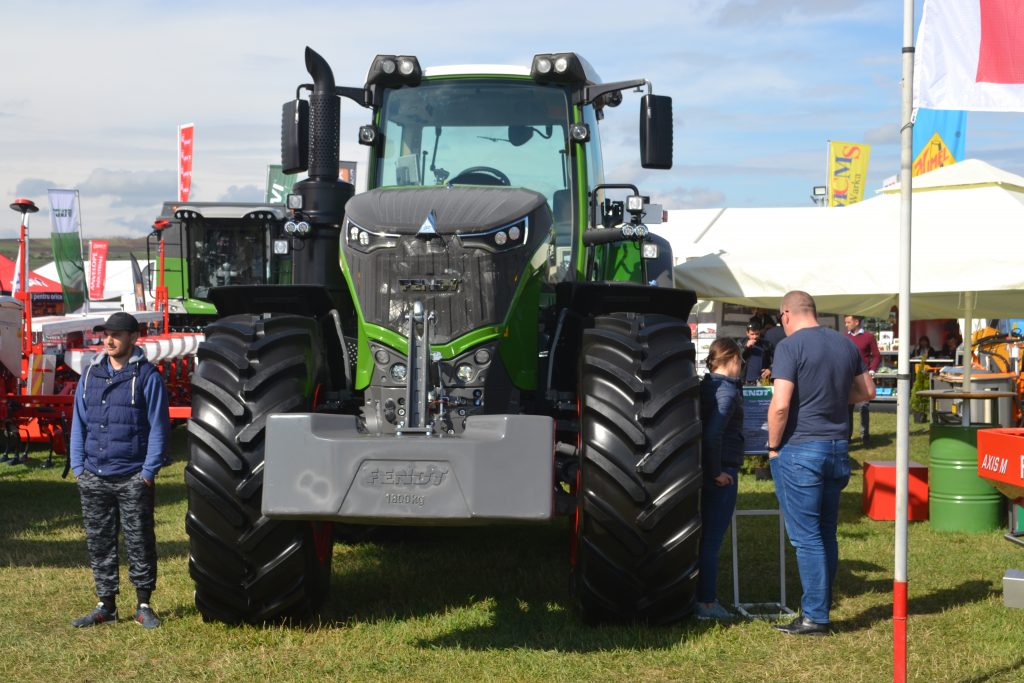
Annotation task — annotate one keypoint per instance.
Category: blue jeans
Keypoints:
(808, 480)
(717, 504)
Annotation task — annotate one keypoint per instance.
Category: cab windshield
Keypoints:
(477, 132)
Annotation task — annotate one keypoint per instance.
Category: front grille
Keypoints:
(486, 284)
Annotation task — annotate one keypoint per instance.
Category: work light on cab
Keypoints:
(564, 67)
(392, 70)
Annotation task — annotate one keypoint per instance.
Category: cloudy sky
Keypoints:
(91, 94)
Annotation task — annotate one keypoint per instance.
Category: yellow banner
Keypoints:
(933, 155)
(847, 172)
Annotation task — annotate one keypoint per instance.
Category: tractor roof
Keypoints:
(498, 70)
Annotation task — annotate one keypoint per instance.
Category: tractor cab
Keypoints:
(210, 244)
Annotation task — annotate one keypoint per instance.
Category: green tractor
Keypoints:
(216, 244)
(498, 341)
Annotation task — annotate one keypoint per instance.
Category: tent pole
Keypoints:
(969, 302)
(899, 593)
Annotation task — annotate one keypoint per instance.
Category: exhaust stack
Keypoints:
(323, 195)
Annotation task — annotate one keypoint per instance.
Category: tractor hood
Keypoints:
(461, 252)
(456, 209)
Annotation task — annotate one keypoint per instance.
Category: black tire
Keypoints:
(637, 530)
(246, 567)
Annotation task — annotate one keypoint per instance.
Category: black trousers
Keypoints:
(865, 419)
(110, 505)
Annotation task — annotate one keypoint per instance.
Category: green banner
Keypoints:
(67, 246)
(279, 184)
(67, 253)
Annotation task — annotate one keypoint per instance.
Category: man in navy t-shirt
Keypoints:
(818, 372)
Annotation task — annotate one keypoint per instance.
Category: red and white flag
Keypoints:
(970, 55)
(97, 268)
(186, 135)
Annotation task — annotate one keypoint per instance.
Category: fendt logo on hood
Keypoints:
(429, 227)
(404, 474)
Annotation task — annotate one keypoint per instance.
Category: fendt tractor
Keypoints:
(207, 245)
(484, 336)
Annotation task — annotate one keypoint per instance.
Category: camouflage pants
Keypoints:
(109, 505)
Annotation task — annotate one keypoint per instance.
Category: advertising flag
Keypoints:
(97, 268)
(939, 138)
(186, 136)
(847, 172)
(66, 242)
(279, 184)
(970, 55)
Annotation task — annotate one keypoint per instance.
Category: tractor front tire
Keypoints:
(247, 567)
(637, 527)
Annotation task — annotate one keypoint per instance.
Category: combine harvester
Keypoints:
(42, 358)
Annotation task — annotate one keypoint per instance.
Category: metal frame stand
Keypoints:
(760, 610)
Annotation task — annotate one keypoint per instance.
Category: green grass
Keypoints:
(491, 604)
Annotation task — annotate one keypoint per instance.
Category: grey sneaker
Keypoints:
(145, 616)
(714, 612)
(98, 616)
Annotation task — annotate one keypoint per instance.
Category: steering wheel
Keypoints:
(481, 175)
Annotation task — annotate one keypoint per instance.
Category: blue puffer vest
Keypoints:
(117, 434)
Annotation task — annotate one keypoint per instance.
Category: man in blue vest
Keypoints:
(118, 443)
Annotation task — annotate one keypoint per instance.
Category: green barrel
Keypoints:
(958, 499)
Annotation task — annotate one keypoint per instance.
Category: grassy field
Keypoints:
(491, 604)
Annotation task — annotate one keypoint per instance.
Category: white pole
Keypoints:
(899, 606)
(969, 302)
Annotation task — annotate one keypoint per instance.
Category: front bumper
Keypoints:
(319, 466)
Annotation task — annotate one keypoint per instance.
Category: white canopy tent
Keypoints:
(968, 223)
(119, 284)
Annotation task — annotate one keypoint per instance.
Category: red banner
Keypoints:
(186, 134)
(97, 268)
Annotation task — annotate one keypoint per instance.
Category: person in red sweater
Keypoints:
(868, 347)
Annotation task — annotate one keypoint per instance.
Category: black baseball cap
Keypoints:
(119, 322)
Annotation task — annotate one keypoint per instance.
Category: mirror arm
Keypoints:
(592, 92)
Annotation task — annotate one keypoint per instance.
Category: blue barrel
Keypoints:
(958, 499)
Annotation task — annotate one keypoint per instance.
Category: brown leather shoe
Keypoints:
(802, 626)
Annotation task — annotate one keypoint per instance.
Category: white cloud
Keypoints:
(247, 193)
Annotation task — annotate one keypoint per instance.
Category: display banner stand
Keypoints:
(760, 610)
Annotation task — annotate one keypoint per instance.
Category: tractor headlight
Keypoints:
(406, 65)
(366, 241)
(498, 239)
(563, 67)
(399, 371)
(394, 70)
(464, 372)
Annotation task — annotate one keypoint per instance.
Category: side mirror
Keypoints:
(656, 131)
(519, 135)
(295, 136)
